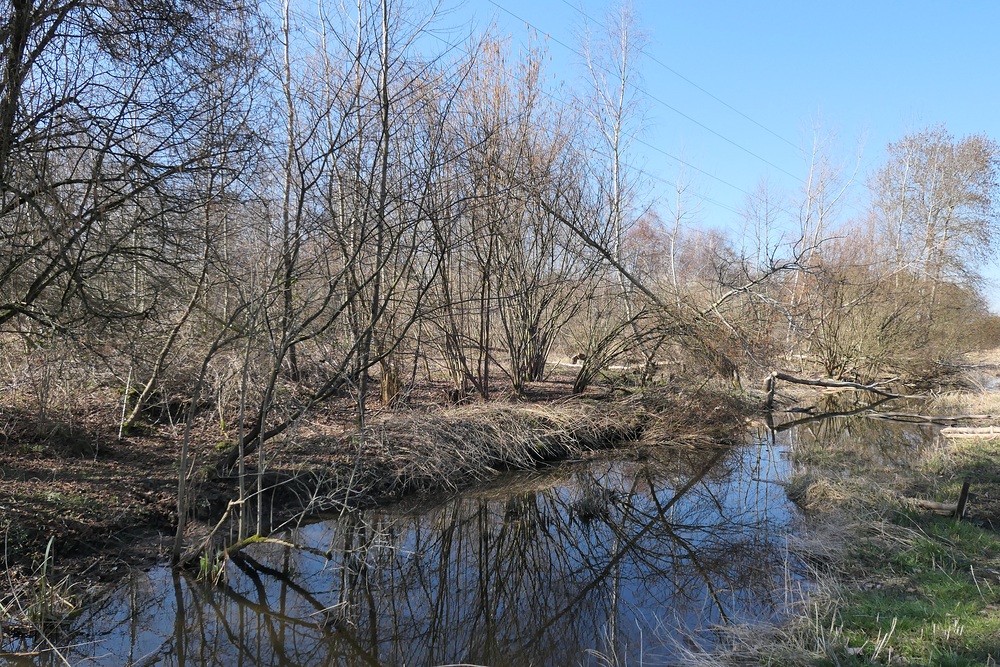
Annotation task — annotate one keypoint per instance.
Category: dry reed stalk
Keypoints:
(456, 446)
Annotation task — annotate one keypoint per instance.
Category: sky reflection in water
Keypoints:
(614, 558)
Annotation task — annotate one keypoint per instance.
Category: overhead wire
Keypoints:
(648, 145)
(703, 90)
(693, 84)
(452, 46)
(655, 98)
(643, 142)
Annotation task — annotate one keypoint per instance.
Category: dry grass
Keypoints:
(807, 639)
(817, 495)
(703, 415)
(983, 357)
(445, 449)
(891, 584)
(450, 448)
(968, 403)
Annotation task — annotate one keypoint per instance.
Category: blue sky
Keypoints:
(866, 72)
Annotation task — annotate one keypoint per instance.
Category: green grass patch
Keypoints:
(923, 591)
(903, 586)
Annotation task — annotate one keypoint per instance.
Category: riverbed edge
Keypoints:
(891, 582)
(42, 589)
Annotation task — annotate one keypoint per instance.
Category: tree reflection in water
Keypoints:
(845, 435)
(604, 558)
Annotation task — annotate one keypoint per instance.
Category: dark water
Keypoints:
(608, 562)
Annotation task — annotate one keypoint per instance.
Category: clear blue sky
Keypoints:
(867, 71)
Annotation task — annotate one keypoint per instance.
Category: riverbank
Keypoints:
(83, 507)
(895, 583)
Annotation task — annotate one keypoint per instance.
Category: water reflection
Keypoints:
(844, 434)
(611, 561)
(589, 560)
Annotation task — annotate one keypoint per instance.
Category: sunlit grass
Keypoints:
(920, 589)
(893, 585)
(922, 601)
(967, 403)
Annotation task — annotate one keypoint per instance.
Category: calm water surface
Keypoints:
(620, 559)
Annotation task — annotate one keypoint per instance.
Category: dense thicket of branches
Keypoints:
(256, 211)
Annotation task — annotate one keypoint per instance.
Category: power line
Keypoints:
(648, 145)
(632, 137)
(655, 98)
(719, 100)
(453, 46)
(691, 83)
(673, 185)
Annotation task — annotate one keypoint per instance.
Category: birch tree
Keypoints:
(936, 200)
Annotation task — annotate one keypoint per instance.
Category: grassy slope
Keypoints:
(923, 589)
(906, 587)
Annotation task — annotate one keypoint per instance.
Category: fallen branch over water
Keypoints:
(928, 419)
(875, 388)
(863, 410)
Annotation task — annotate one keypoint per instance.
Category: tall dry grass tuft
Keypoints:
(467, 444)
(700, 415)
(454, 447)
(982, 402)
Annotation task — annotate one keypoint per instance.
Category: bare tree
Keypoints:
(616, 114)
(936, 199)
(102, 126)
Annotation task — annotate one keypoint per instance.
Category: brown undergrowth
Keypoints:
(78, 505)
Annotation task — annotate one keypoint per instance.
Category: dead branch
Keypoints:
(928, 419)
(875, 388)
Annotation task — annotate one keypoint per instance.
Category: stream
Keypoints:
(629, 557)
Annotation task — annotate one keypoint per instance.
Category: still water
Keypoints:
(621, 559)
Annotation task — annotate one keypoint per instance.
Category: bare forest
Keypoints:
(227, 224)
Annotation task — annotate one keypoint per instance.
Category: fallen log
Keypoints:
(956, 510)
(876, 388)
(928, 419)
(863, 410)
(913, 418)
(944, 509)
